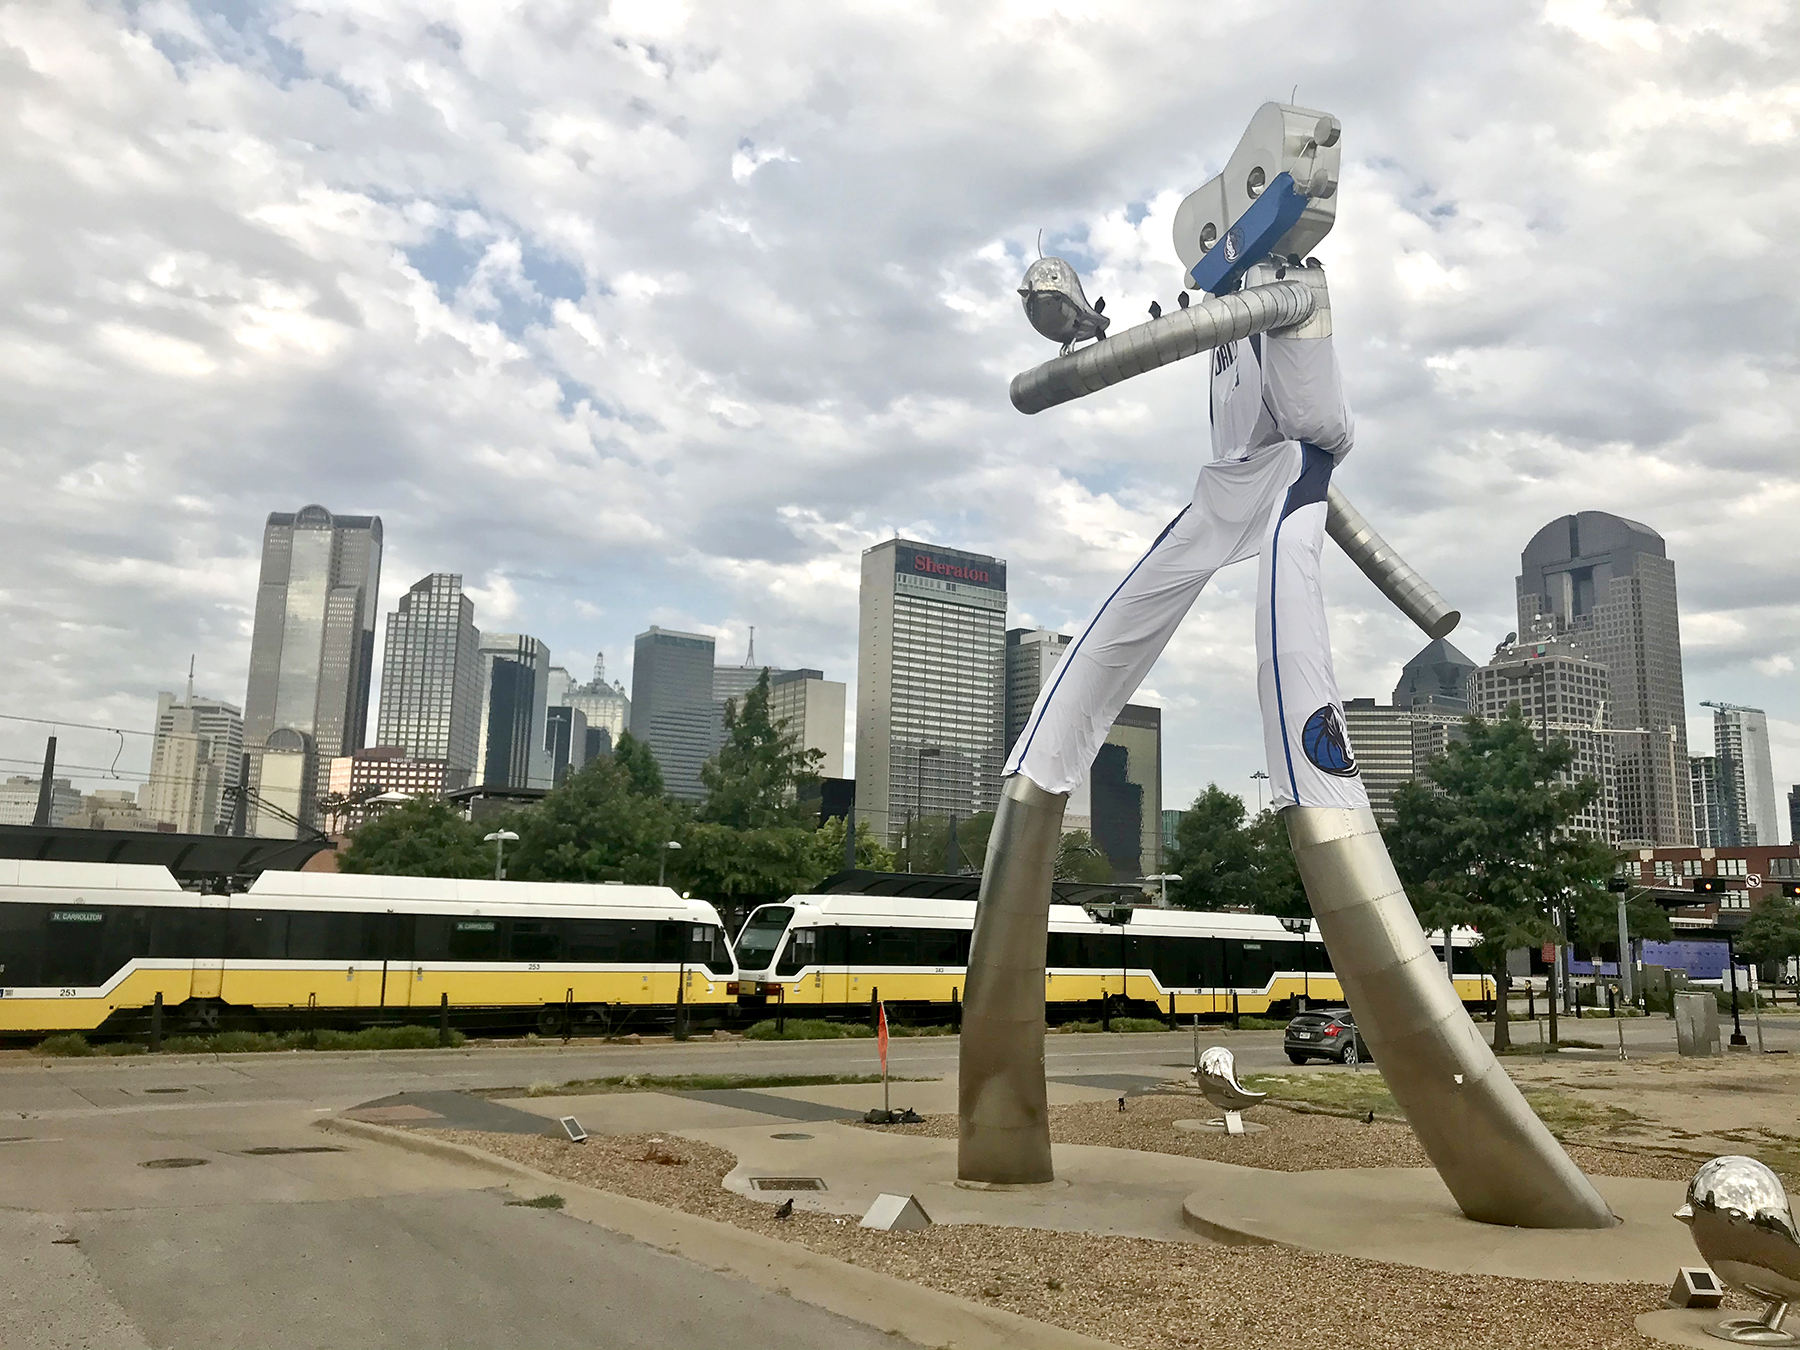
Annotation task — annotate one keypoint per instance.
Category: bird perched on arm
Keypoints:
(1155, 310)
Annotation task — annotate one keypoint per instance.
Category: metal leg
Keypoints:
(1499, 1161)
(1004, 1114)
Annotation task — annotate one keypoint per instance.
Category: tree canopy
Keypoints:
(1772, 932)
(758, 778)
(1229, 860)
(423, 838)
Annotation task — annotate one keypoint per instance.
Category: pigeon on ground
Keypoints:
(1121, 1103)
(1155, 310)
(1369, 1119)
(1182, 299)
(785, 1209)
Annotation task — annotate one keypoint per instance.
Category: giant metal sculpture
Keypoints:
(1279, 427)
(1738, 1212)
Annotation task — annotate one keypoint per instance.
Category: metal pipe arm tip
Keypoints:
(1212, 322)
(1411, 593)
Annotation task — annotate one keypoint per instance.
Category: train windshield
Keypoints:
(762, 935)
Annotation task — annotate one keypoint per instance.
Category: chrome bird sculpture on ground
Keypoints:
(1743, 1225)
(1058, 307)
(1216, 1077)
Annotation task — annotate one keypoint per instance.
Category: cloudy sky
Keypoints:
(658, 313)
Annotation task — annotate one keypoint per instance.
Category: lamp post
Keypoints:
(500, 839)
(1301, 928)
(662, 861)
(918, 818)
(1260, 778)
(1165, 878)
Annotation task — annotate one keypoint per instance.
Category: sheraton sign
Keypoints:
(961, 569)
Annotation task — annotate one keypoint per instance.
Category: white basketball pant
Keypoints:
(1271, 505)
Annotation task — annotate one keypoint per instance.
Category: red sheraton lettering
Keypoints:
(938, 567)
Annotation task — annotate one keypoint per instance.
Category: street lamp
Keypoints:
(662, 863)
(925, 752)
(500, 839)
(1165, 878)
(1260, 778)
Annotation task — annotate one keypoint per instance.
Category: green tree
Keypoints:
(1078, 858)
(828, 842)
(972, 837)
(927, 846)
(638, 763)
(1772, 932)
(1275, 877)
(1488, 844)
(755, 781)
(603, 824)
(424, 838)
(1214, 854)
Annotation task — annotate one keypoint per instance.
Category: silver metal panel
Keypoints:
(1001, 1098)
(1147, 346)
(1499, 1161)
(1410, 592)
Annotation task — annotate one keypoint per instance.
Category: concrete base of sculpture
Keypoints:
(1497, 1158)
(1225, 1126)
(1002, 1106)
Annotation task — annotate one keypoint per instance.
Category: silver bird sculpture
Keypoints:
(1058, 307)
(1218, 1082)
(1738, 1213)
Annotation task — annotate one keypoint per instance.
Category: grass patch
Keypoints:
(687, 1082)
(540, 1202)
(1134, 1024)
(117, 1048)
(1356, 1094)
(807, 1029)
(70, 1045)
(1261, 1024)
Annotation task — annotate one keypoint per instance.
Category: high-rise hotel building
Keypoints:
(931, 684)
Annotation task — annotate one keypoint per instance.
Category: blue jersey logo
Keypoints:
(1326, 744)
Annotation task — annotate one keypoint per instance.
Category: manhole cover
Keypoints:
(788, 1183)
(165, 1089)
(276, 1150)
(790, 1136)
(174, 1162)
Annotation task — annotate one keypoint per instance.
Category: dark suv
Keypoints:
(1325, 1033)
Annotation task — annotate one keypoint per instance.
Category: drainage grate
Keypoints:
(165, 1090)
(790, 1136)
(277, 1150)
(174, 1162)
(788, 1183)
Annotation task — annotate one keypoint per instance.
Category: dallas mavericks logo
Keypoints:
(1326, 744)
(1233, 245)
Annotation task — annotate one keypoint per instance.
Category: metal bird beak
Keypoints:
(1685, 1214)
(1024, 290)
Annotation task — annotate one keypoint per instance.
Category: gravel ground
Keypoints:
(1131, 1291)
(1296, 1141)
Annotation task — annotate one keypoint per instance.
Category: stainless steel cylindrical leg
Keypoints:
(1004, 1115)
(1499, 1161)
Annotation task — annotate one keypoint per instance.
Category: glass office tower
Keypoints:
(431, 678)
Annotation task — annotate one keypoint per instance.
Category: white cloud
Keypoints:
(478, 269)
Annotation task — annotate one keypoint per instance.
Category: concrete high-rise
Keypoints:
(515, 685)
(1124, 793)
(1562, 694)
(312, 653)
(672, 707)
(431, 671)
(1608, 583)
(1745, 774)
(195, 760)
(812, 707)
(604, 705)
(1031, 654)
(1716, 821)
(931, 684)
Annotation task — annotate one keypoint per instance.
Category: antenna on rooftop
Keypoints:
(190, 689)
(750, 656)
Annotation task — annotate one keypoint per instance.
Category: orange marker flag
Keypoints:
(881, 1036)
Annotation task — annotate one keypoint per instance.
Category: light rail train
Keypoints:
(88, 946)
(832, 953)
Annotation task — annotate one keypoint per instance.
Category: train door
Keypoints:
(209, 946)
(73, 940)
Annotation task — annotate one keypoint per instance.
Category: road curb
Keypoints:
(925, 1316)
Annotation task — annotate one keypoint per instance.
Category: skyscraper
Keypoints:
(1124, 793)
(565, 740)
(431, 678)
(515, 684)
(311, 655)
(1563, 694)
(672, 707)
(1716, 821)
(1436, 679)
(196, 756)
(1031, 654)
(1382, 740)
(604, 705)
(931, 684)
(1745, 774)
(813, 709)
(1609, 583)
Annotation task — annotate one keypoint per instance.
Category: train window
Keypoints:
(535, 940)
(322, 935)
(671, 940)
(762, 934)
(590, 941)
(1100, 951)
(859, 947)
(1062, 952)
(127, 936)
(1318, 960)
(939, 947)
(174, 932)
(21, 944)
(802, 950)
(73, 939)
(896, 947)
(717, 954)
(1248, 965)
(256, 935)
(475, 940)
(834, 946)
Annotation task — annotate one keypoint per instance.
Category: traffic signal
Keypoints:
(1791, 889)
(1705, 885)
(1617, 884)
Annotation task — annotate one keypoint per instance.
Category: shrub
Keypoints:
(807, 1029)
(185, 1045)
(117, 1048)
(70, 1044)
